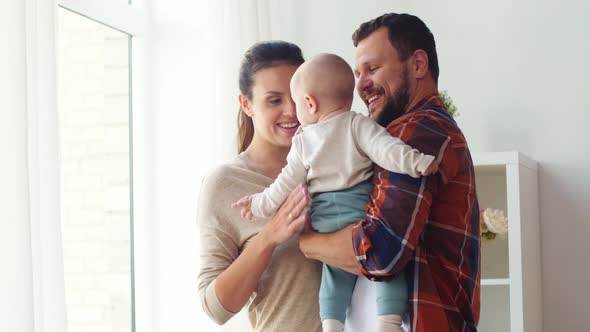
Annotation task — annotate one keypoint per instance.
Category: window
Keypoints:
(96, 147)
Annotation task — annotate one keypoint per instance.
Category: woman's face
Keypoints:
(272, 110)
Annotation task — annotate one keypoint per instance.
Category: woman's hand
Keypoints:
(235, 285)
(289, 219)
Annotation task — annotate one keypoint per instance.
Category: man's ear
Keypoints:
(420, 65)
(245, 105)
(312, 104)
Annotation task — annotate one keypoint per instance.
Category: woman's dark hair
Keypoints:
(407, 33)
(261, 56)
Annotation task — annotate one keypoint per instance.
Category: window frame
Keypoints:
(116, 14)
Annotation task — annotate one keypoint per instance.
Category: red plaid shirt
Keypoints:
(428, 227)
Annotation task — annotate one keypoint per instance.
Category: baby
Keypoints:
(333, 152)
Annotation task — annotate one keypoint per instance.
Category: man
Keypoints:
(427, 228)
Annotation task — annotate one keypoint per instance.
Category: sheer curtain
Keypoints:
(194, 53)
(31, 280)
(234, 25)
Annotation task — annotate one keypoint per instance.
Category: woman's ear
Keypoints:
(312, 104)
(245, 105)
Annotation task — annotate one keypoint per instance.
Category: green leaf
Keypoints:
(451, 108)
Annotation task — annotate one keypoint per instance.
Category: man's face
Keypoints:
(383, 81)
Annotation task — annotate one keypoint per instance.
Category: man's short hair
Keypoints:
(407, 33)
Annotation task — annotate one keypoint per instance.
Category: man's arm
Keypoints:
(384, 242)
(334, 249)
(400, 205)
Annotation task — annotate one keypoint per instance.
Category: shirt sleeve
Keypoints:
(388, 151)
(400, 205)
(266, 203)
(219, 249)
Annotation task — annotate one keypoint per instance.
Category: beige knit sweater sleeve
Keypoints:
(218, 239)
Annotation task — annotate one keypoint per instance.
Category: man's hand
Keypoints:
(331, 248)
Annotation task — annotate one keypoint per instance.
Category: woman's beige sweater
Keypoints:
(286, 298)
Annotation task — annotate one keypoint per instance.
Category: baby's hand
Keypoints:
(244, 203)
(433, 168)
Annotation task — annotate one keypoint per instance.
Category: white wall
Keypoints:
(518, 72)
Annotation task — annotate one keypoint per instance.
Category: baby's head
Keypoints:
(322, 85)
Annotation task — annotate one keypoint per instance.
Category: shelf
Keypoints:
(495, 282)
(494, 259)
(502, 159)
(491, 186)
(495, 310)
(509, 181)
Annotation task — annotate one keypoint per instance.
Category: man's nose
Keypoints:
(362, 84)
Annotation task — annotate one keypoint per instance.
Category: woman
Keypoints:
(259, 262)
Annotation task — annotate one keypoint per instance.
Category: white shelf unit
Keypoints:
(511, 299)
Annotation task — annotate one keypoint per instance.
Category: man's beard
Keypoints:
(395, 106)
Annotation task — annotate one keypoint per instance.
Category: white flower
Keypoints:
(495, 221)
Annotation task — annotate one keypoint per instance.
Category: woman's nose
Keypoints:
(290, 108)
